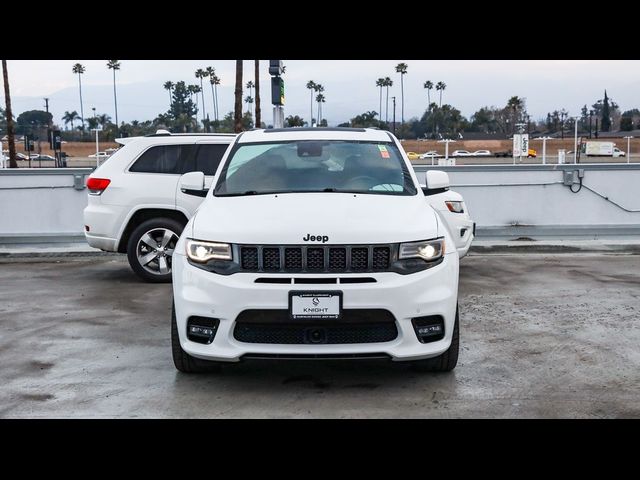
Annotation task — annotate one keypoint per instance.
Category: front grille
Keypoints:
(275, 327)
(328, 259)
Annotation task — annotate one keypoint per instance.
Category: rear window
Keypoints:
(160, 159)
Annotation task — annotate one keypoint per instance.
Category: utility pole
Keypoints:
(575, 140)
(590, 117)
(394, 114)
(277, 92)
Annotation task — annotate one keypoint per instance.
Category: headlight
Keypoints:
(428, 250)
(455, 207)
(201, 252)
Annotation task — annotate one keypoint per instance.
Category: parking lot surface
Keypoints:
(542, 335)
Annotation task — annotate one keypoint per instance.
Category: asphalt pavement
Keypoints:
(542, 336)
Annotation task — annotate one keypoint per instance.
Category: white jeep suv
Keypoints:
(314, 243)
(135, 205)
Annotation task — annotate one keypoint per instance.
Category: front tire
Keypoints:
(184, 362)
(150, 248)
(445, 362)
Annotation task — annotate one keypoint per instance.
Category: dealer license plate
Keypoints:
(315, 305)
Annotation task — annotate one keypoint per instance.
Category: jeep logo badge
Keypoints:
(316, 238)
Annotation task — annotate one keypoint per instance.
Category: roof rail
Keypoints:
(165, 133)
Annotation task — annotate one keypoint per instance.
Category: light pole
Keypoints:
(446, 142)
(394, 114)
(97, 145)
(575, 140)
(628, 148)
(590, 117)
(563, 115)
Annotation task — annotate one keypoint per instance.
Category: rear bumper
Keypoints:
(104, 222)
(201, 293)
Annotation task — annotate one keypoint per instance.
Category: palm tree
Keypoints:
(380, 83)
(237, 107)
(103, 119)
(169, 86)
(79, 70)
(319, 89)
(429, 86)
(401, 68)
(200, 73)
(320, 99)
(311, 85)
(258, 119)
(211, 72)
(250, 86)
(114, 65)
(249, 101)
(70, 117)
(387, 83)
(216, 81)
(441, 86)
(10, 133)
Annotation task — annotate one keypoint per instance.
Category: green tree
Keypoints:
(387, 83)
(215, 81)
(626, 124)
(9, 117)
(249, 101)
(605, 123)
(428, 85)
(380, 85)
(70, 117)
(401, 68)
(114, 65)
(441, 86)
(168, 85)
(211, 72)
(237, 111)
(258, 122)
(294, 121)
(31, 121)
(320, 98)
(366, 119)
(79, 70)
(182, 108)
(249, 87)
(201, 74)
(311, 86)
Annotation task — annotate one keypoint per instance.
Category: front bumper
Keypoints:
(200, 293)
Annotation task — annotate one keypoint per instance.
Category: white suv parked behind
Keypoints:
(135, 205)
(316, 243)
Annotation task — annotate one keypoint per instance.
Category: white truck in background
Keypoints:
(602, 149)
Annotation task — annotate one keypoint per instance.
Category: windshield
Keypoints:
(315, 166)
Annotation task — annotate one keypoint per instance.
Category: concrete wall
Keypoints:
(504, 200)
(40, 203)
(531, 200)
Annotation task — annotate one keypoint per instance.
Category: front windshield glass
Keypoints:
(315, 166)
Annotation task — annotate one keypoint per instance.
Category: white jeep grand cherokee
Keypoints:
(315, 243)
(135, 205)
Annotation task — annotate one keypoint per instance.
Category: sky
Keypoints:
(349, 85)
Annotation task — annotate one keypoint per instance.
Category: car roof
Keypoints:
(170, 138)
(319, 133)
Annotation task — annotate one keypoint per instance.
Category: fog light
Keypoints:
(201, 329)
(429, 329)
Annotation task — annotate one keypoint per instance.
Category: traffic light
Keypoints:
(277, 91)
(275, 67)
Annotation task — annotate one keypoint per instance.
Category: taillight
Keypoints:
(97, 185)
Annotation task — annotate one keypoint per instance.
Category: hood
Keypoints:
(336, 218)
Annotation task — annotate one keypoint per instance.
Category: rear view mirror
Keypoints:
(192, 183)
(437, 180)
(309, 149)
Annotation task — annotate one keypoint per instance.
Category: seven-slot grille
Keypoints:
(329, 259)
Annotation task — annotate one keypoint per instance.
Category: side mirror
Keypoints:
(437, 180)
(192, 183)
